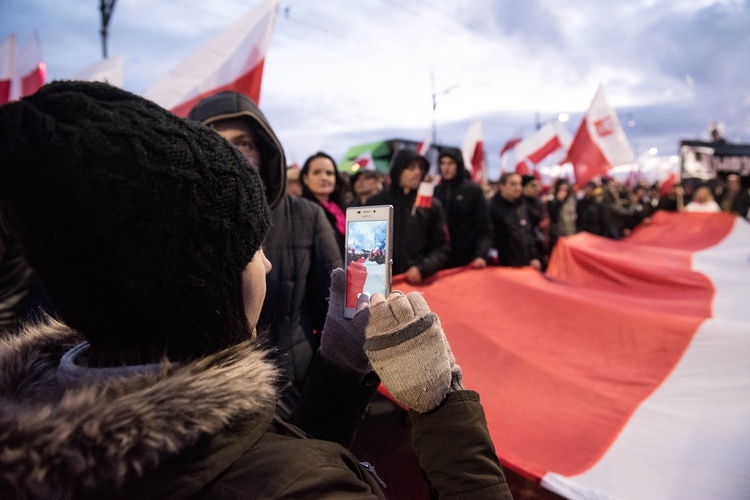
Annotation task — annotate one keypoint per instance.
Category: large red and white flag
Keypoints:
(231, 61)
(552, 137)
(600, 142)
(472, 150)
(622, 372)
(107, 70)
(22, 70)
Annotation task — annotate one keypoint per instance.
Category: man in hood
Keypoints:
(300, 244)
(466, 213)
(420, 235)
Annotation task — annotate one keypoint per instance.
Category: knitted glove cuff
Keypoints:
(411, 356)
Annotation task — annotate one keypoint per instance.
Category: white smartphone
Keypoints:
(369, 231)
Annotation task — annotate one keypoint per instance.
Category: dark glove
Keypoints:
(342, 341)
(408, 349)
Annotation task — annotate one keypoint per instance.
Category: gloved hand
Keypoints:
(343, 339)
(408, 349)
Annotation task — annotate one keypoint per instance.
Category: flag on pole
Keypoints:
(7, 47)
(364, 162)
(107, 70)
(600, 142)
(22, 70)
(29, 68)
(473, 152)
(550, 138)
(424, 147)
(424, 196)
(509, 146)
(233, 60)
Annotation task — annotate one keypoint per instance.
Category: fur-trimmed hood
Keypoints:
(88, 441)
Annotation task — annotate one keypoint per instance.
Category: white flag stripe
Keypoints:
(232, 53)
(605, 130)
(689, 439)
(108, 70)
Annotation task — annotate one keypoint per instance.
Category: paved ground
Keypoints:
(383, 440)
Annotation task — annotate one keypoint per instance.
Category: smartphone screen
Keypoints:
(369, 232)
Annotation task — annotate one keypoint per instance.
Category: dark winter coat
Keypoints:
(513, 236)
(207, 429)
(592, 216)
(203, 429)
(467, 216)
(301, 246)
(420, 236)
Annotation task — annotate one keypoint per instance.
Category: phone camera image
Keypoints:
(366, 264)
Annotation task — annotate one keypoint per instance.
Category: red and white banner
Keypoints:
(22, 70)
(600, 142)
(364, 162)
(108, 70)
(472, 150)
(231, 61)
(550, 138)
(621, 373)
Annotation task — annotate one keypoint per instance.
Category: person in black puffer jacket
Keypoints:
(420, 235)
(466, 212)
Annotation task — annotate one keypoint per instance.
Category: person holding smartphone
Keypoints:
(420, 234)
(148, 231)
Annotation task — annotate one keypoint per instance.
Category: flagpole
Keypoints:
(106, 7)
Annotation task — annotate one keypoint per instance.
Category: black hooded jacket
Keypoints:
(420, 236)
(300, 245)
(467, 215)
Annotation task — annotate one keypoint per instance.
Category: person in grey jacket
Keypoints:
(301, 244)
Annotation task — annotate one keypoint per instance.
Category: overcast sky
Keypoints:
(342, 72)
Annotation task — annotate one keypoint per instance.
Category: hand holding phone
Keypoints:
(369, 231)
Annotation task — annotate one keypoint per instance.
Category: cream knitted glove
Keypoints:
(409, 351)
(342, 339)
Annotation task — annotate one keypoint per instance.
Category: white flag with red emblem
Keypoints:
(550, 138)
(231, 61)
(600, 142)
(22, 70)
(473, 152)
(364, 162)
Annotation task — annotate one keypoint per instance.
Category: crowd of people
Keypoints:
(516, 221)
(171, 301)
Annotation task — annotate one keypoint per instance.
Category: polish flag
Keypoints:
(631, 377)
(550, 138)
(22, 71)
(7, 48)
(29, 68)
(364, 162)
(424, 195)
(473, 152)
(600, 142)
(107, 70)
(231, 61)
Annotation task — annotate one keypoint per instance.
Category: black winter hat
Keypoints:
(138, 222)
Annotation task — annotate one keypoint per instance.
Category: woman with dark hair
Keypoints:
(322, 184)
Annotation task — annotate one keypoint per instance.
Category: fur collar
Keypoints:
(58, 444)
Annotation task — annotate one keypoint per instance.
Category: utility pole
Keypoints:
(106, 7)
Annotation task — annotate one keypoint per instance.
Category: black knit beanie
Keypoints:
(138, 222)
